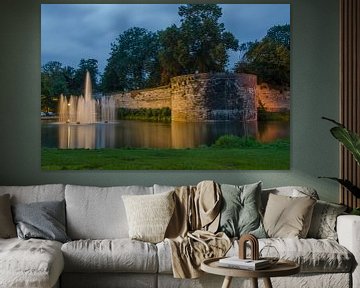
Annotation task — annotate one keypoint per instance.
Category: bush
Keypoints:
(145, 114)
(232, 141)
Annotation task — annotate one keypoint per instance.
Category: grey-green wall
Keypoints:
(314, 88)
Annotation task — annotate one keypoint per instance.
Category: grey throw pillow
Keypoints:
(7, 226)
(323, 222)
(240, 213)
(44, 220)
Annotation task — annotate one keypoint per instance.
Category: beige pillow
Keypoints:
(288, 217)
(149, 215)
(7, 226)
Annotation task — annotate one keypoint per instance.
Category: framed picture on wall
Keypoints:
(165, 86)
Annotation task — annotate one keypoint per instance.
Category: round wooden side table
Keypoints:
(281, 268)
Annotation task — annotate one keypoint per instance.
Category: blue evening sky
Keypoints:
(70, 32)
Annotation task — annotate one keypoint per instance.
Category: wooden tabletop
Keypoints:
(281, 268)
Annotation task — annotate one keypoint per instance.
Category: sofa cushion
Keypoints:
(240, 210)
(98, 213)
(313, 255)
(164, 257)
(149, 215)
(163, 188)
(7, 226)
(30, 263)
(117, 255)
(323, 222)
(36, 193)
(291, 191)
(287, 216)
(109, 280)
(43, 220)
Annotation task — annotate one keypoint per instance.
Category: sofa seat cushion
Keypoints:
(313, 255)
(115, 255)
(30, 263)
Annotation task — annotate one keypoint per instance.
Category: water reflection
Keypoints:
(154, 135)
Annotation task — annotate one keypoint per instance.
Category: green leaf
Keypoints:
(347, 184)
(349, 139)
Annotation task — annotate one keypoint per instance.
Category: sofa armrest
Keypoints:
(348, 230)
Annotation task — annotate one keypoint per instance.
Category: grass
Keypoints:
(273, 156)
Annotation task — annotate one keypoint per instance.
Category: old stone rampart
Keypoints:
(211, 97)
(158, 97)
(208, 97)
(271, 99)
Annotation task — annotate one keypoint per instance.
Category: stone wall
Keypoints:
(208, 97)
(273, 100)
(159, 97)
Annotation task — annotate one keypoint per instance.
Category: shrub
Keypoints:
(232, 141)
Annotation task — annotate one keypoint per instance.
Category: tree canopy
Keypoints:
(200, 44)
(133, 62)
(140, 58)
(57, 79)
(268, 58)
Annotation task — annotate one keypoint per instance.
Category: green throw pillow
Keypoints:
(240, 213)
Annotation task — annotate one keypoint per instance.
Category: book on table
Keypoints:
(249, 264)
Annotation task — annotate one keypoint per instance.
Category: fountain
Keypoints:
(83, 109)
(107, 109)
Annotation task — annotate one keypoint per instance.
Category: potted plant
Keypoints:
(351, 141)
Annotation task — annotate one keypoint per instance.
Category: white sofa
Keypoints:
(101, 254)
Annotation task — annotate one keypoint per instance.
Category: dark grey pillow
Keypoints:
(7, 227)
(240, 213)
(44, 220)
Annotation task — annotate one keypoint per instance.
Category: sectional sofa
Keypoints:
(100, 253)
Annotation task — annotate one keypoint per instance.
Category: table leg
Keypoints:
(267, 283)
(254, 282)
(227, 282)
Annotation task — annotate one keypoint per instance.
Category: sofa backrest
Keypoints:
(98, 212)
(163, 188)
(35, 193)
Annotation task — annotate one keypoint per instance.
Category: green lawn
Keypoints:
(266, 157)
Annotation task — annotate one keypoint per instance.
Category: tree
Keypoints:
(90, 65)
(57, 79)
(280, 34)
(133, 62)
(169, 54)
(53, 83)
(200, 44)
(268, 58)
(69, 74)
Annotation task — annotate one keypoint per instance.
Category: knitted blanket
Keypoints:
(191, 232)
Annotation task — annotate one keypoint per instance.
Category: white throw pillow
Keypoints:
(149, 215)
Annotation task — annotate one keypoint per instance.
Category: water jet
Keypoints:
(85, 109)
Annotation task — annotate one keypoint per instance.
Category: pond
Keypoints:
(142, 134)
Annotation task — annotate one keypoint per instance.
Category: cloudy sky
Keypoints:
(70, 32)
